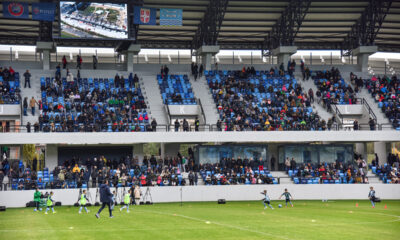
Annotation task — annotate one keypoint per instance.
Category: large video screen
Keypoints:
(93, 20)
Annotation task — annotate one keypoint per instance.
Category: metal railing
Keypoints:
(201, 110)
(211, 128)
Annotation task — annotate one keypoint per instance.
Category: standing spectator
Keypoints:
(58, 71)
(94, 62)
(25, 106)
(371, 124)
(28, 127)
(154, 125)
(191, 178)
(219, 125)
(195, 72)
(201, 69)
(116, 80)
(64, 62)
(185, 125)
(355, 125)
(27, 76)
(78, 61)
(32, 104)
(376, 160)
(196, 124)
(311, 95)
(177, 125)
(192, 68)
(137, 194)
(166, 71)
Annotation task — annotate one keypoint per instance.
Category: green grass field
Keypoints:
(234, 220)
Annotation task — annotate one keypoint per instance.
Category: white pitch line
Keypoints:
(220, 224)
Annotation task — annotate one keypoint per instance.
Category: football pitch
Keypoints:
(208, 220)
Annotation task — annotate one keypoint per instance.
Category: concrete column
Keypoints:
(284, 53)
(133, 49)
(162, 147)
(138, 152)
(51, 156)
(361, 148)
(362, 53)
(46, 48)
(46, 60)
(172, 149)
(206, 52)
(380, 149)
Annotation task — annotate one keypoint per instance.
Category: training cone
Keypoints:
(385, 206)
(356, 204)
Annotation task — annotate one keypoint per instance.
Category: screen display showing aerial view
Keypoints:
(93, 20)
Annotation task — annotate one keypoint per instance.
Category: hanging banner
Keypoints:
(43, 11)
(15, 10)
(170, 17)
(145, 16)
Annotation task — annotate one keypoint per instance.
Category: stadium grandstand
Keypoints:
(188, 102)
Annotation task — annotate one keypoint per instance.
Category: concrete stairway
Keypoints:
(380, 116)
(372, 178)
(283, 177)
(202, 92)
(151, 92)
(318, 108)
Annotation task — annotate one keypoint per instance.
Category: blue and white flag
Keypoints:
(43, 11)
(144, 16)
(15, 10)
(170, 17)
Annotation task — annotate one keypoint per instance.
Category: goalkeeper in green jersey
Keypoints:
(288, 197)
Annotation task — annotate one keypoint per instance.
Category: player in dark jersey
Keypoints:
(288, 197)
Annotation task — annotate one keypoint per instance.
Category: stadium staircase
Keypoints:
(34, 91)
(151, 92)
(306, 85)
(283, 177)
(380, 116)
(202, 92)
(373, 178)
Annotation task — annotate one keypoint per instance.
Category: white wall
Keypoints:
(230, 193)
(199, 137)
(51, 156)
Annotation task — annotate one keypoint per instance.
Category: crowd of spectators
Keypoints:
(250, 100)
(236, 171)
(332, 88)
(386, 92)
(92, 105)
(9, 86)
(323, 173)
(123, 172)
(176, 89)
(388, 172)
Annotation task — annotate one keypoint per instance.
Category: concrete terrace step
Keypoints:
(202, 92)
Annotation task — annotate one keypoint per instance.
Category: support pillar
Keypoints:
(361, 148)
(132, 50)
(206, 52)
(362, 53)
(162, 150)
(381, 150)
(46, 48)
(284, 53)
(138, 152)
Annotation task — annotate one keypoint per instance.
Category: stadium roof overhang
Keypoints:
(245, 25)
